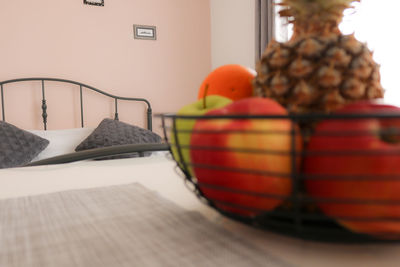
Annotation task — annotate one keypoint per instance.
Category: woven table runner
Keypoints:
(124, 225)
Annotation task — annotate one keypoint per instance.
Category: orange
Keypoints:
(232, 81)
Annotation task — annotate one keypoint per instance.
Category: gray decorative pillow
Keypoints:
(18, 147)
(111, 132)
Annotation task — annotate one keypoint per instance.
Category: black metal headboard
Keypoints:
(81, 86)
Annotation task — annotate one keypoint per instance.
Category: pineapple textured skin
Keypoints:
(314, 73)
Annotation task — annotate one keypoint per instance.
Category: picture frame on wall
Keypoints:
(94, 2)
(144, 32)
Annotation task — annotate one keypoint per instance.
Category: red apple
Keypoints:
(356, 174)
(244, 165)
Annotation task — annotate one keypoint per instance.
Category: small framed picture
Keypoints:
(144, 32)
(94, 2)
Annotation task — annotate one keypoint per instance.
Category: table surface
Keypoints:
(159, 173)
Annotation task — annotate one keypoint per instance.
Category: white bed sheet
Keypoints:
(158, 173)
(61, 141)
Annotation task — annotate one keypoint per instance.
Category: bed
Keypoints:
(110, 136)
(72, 210)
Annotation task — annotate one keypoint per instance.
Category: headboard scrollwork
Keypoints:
(81, 86)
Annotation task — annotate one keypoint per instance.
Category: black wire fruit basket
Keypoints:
(331, 178)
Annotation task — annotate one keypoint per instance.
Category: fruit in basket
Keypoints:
(319, 68)
(233, 81)
(244, 165)
(184, 127)
(356, 163)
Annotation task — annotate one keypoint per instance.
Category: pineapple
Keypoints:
(319, 69)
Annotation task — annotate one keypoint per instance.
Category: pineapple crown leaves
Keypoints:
(314, 11)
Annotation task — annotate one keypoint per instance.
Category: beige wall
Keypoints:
(95, 45)
(233, 32)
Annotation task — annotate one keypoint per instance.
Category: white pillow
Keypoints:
(61, 141)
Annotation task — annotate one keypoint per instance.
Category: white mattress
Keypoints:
(159, 173)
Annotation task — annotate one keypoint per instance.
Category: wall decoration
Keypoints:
(94, 2)
(144, 32)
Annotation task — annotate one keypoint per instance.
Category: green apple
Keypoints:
(184, 126)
